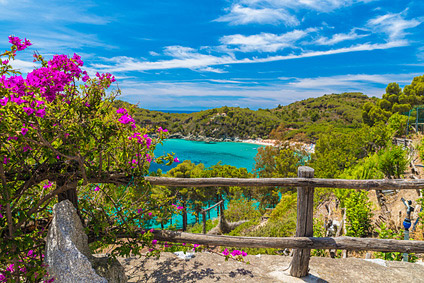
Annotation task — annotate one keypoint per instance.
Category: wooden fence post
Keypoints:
(204, 221)
(305, 225)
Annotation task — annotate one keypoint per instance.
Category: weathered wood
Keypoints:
(204, 221)
(213, 206)
(373, 184)
(305, 224)
(340, 243)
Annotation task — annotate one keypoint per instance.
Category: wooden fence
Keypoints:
(304, 241)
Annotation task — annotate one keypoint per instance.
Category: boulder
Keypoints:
(68, 256)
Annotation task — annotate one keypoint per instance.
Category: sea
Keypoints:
(240, 155)
(228, 153)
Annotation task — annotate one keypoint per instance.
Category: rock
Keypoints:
(109, 268)
(68, 256)
(184, 255)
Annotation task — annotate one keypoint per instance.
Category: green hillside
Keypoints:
(305, 120)
(302, 120)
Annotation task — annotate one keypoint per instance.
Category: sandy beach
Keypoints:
(262, 142)
(310, 148)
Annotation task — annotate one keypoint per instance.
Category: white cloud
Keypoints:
(55, 12)
(339, 37)
(65, 40)
(240, 15)
(244, 12)
(216, 93)
(354, 81)
(264, 42)
(23, 66)
(394, 25)
(189, 58)
(153, 53)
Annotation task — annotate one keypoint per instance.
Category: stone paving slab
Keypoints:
(207, 267)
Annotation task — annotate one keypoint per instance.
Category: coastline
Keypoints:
(265, 142)
(309, 148)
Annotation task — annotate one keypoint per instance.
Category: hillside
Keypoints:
(303, 120)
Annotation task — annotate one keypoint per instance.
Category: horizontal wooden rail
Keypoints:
(341, 243)
(375, 184)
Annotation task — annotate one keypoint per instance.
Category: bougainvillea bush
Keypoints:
(61, 138)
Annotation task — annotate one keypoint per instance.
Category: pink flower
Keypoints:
(31, 253)
(4, 101)
(243, 253)
(176, 160)
(28, 110)
(18, 42)
(24, 131)
(225, 252)
(10, 268)
(160, 130)
(236, 253)
(48, 185)
(140, 210)
(122, 111)
(5, 160)
(154, 242)
(40, 112)
(58, 157)
(148, 158)
(150, 214)
(125, 119)
(97, 189)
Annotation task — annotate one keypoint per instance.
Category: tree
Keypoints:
(274, 162)
(59, 135)
(188, 197)
(394, 101)
(393, 161)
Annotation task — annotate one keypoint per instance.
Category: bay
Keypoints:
(240, 155)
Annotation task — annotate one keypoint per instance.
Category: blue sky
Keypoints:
(191, 55)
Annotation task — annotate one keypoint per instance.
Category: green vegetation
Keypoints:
(394, 101)
(221, 123)
(303, 120)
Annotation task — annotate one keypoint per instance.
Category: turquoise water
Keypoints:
(237, 154)
(229, 153)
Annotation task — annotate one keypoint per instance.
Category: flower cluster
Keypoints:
(125, 118)
(141, 139)
(106, 79)
(160, 130)
(234, 253)
(16, 41)
(177, 206)
(10, 269)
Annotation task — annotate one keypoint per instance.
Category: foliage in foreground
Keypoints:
(59, 136)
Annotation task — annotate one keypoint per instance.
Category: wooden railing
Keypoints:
(304, 240)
